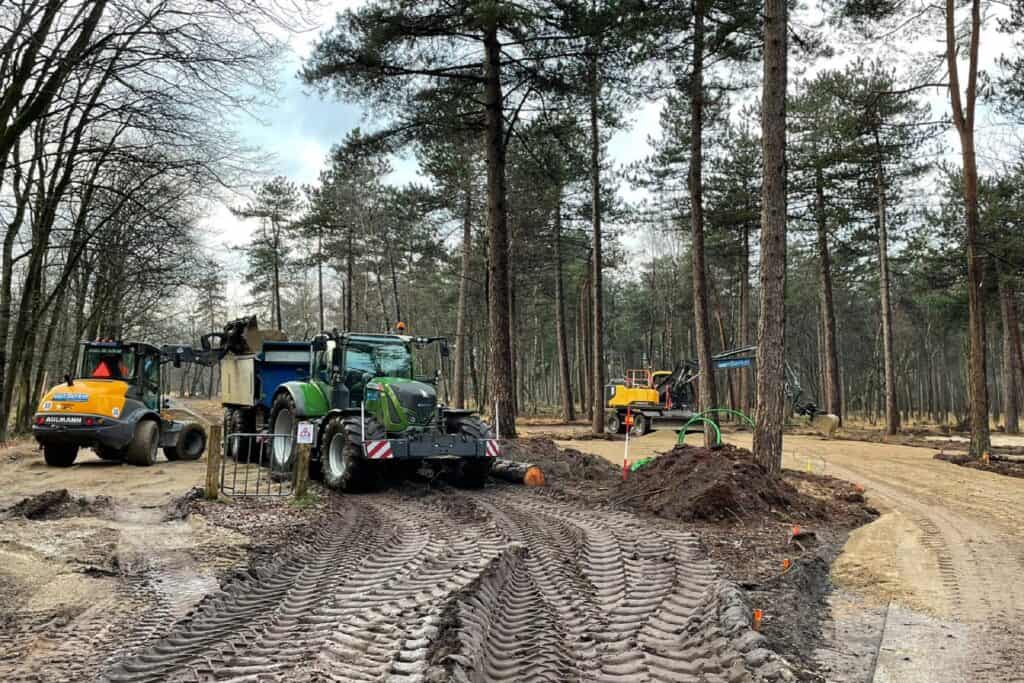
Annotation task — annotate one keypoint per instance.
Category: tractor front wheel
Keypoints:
(471, 473)
(342, 462)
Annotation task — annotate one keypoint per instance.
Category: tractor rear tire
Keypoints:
(342, 462)
(60, 456)
(189, 444)
(471, 473)
(107, 453)
(142, 450)
(284, 424)
(614, 423)
(239, 421)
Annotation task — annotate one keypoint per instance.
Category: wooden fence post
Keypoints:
(214, 452)
(302, 470)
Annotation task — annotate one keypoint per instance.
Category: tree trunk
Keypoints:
(459, 372)
(771, 327)
(349, 265)
(744, 320)
(568, 409)
(963, 119)
(277, 278)
(892, 413)
(832, 396)
(583, 347)
(319, 278)
(1011, 407)
(597, 386)
(497, 223)
(706, 384)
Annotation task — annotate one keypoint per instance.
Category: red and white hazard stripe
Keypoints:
(493, 450)
(378, 450)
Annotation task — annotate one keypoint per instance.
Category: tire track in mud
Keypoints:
(497, 585)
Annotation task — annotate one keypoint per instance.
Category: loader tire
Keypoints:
(284, 424)
(60, 456)
(342, 463)
(142, 450)
(471, 473)
(107, 453)
(190, 444)
(239, 421)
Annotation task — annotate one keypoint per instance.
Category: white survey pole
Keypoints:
(362, 419)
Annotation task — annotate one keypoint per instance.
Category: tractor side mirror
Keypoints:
(319, 342)
(445, 351)
(177, 359)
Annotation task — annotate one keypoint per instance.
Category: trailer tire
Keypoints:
(342, 463)
(471, 473)
(283, 423)
(142, 450)
(239, 421)
(189, 445)
(60, 456)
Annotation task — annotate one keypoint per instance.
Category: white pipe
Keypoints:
(362, 419)
(497, 422)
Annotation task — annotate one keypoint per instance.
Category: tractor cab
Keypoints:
(343, 365)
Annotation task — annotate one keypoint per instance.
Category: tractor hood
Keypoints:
(417, 399)
(86, 396)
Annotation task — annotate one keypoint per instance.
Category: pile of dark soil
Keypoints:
(559, 464)
(57, 504)
(1005, 467)
(698, 484)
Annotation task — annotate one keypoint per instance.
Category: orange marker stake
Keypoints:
(796, 529)
(757, 620)
(785, 565)
(858, 488)
(984, 457)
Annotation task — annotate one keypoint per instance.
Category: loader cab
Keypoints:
(135, 363)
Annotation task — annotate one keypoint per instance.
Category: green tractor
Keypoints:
(368, 410)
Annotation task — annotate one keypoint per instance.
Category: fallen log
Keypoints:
(517, 472)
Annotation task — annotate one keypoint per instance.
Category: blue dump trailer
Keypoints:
(254, 363)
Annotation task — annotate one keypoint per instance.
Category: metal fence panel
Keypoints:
(247, 466)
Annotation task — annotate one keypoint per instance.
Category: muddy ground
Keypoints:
(931, 591)
(127, 577)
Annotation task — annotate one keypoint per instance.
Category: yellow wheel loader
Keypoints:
(114, 403)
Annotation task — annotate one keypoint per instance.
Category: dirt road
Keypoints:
(946, 560)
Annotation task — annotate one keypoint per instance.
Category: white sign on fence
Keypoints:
(305, 432)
